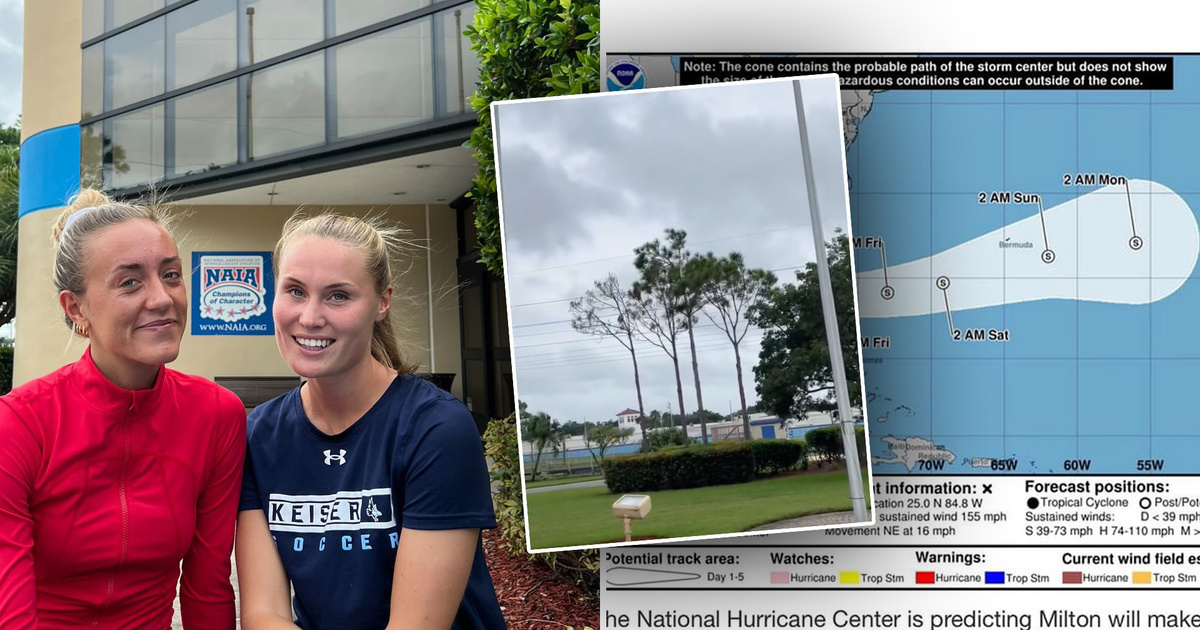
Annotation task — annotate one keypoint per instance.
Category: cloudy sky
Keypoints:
(12, 14)
(586, 180)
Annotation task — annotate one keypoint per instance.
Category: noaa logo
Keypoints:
(626, 75)
(232, 287)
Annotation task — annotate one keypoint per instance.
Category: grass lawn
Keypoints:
(558, 481)
(565, 518)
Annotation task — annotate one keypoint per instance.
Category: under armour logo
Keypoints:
(340, 458)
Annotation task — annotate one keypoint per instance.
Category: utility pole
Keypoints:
(837, 363)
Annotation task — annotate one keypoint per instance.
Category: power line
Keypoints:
(614, 352)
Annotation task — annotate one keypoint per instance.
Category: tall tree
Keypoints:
(732, 290)
(657, 297)
(793, 375)
(673, 273)
(607, 309)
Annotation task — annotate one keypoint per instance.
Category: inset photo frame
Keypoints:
(671, 260)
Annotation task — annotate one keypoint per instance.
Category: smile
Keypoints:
(313, 344)
(158, 326)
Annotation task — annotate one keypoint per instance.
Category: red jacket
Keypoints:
(104, 490)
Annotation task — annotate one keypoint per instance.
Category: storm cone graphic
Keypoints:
(1122, 244)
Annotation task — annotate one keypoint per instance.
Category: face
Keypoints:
(326, 306)
(134, 303)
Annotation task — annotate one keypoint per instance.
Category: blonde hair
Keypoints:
(378, 244)
(91, 211)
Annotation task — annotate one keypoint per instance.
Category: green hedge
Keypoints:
(827, 443)
(691, 467)
(500, 444)
(772, 456)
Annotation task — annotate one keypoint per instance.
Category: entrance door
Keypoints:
(487, 364)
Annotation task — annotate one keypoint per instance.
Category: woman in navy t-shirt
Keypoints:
(366, 487)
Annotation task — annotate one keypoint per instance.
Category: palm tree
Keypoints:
(9, 184)
(541, 431)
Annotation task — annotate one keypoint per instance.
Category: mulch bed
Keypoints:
(532, 597)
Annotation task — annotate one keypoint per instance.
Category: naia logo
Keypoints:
(340, 458)
(232, 287)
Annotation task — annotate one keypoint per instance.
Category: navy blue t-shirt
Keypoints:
(335, 504)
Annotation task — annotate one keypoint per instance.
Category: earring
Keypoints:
(80, 330)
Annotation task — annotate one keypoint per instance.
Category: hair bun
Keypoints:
(87, 198)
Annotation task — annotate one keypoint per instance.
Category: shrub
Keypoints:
(664, 438)
(500, 444)
(826, 442)
(772, 456)
(526, 49)
(691, 467)
(6, 369)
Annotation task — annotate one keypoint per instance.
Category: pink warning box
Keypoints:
(780, 577)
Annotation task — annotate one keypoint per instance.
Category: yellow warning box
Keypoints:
(1142, 577)
(849, 577)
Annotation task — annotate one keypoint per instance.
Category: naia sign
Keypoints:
(232, 293)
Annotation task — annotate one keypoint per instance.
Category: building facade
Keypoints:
(241, 112)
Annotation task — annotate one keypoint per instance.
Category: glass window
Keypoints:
(93, 19)
(355, 14)
(126, 11)
(275, 27)
(204, 36)
(206, 129)
(460, 66)
(93, 80)
(134, 60)
(91, 174)
(287, 106)
(385, 80)
(137, 147)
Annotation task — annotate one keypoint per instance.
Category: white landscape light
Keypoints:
(629, 507)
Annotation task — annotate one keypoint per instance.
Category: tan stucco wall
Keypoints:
(44, 343)
(52, 65)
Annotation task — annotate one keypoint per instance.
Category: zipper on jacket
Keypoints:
(123, 499)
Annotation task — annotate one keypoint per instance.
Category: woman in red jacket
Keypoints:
(114, 468)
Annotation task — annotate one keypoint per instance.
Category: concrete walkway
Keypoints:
(595, 483)
(813, 520)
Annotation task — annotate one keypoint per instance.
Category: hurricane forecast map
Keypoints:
(1025, 243)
